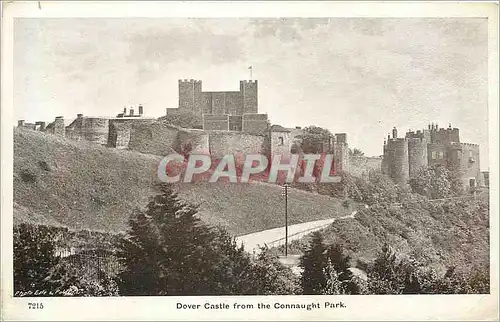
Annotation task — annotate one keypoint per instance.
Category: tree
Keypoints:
(169, 251)
(34, 260)
(384, 275)
(333, 283)
(313, 263)
(271, 277)
(314, 139)
(39, 271)
(341, 264)
(326, 269)
(437, 182)
(356, 153)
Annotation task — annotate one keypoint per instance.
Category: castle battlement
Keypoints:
(404, 157)
(193, 100)
(190, 81)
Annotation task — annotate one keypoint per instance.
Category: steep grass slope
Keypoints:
(84, 186)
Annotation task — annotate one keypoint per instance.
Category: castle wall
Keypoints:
(255, 123)
(281, 144)
(74, 131)
(233, 103)
(235, 122)
(216, 122)
(236, 143)
(156, 138)
(96, 130)
(206, 98)
(445, 136)
(437, 154)
(417, 155)
(360, 166)
(341, 157)
(59, 129)
(486, 178)
(193, 142)
(93, 129)
(119, 135)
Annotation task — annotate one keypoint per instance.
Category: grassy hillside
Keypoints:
(84, 186)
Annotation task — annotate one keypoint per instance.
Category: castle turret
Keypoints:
(190, 96)
(417, 155)
(398, 160)
(394, 133)
(20, 123)
(249, 92)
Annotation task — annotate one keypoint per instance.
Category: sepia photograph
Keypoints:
(203, 157)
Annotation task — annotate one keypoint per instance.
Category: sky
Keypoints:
(361, 76)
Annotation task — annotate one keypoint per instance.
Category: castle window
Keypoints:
(470, 154)
(280, 140)
(434, 155)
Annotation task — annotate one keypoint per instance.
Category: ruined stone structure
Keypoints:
(404, 157)
(226, 111)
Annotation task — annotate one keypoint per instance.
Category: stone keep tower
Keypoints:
(190, 97)
(249, 93)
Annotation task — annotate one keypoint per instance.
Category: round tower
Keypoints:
(398, 165)
(417, 155)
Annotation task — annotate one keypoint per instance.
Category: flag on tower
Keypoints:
(250, 68)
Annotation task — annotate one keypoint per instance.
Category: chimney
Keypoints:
(131, 112)
(141, 109)
(20, 123)
(394, 133)
(79, 116)
(124, 111)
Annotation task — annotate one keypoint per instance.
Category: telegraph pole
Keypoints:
(285, 193)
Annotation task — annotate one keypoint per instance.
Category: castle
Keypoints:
(403, 157)
(231, 124)
(226, 110)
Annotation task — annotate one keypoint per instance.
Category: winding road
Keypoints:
(276, 236)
